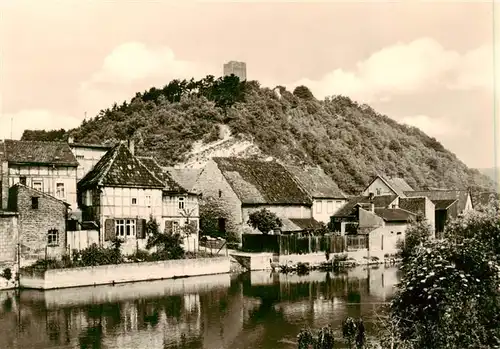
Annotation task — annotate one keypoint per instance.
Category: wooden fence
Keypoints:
(293, 244)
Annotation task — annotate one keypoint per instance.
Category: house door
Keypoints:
(222, 225)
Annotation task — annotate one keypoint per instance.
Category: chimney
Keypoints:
(372, 205)
(131, 146)
(71, 139)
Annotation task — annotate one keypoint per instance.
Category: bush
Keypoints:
(264, 220)
(7, 274)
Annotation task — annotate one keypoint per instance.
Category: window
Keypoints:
(130, 227)
(393, 205)
(34, 203)
(37, 185)
(79, 157)
(175, 227)
(220, 193)
(329, 206)
(134, 201)
(379, 191)
(53, 237)
(181, 203)
(120, 227)
(148, 200)
(319, 207)
(22, 180)
(125, 227)
(60, 190)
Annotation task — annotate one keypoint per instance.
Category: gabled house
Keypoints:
(180, 206)
(49, 167)
(119, 195)
(382, 185)
(422, 207)
(325, 194)
(242, 186)
(448, 204)
(41, 222)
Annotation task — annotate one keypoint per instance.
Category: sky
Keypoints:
(426, 64)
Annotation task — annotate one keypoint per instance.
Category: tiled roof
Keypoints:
(31, 152)
(119, 168)
(399, 185)
(380, 201)
(443, 204)
(413, 204)
(394, 214)
(316, 182)
(90, 145)
(437, 195)
(184, 176)
(170, 184)
(262, 182)
(483, 199)
(306, 223)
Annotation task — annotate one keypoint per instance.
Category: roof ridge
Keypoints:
(152, 173)
(110, 162)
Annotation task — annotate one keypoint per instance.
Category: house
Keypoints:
(326, 196)
(384, 227)
(382, 185)
(119, 195)
(448, 204)
(49, 167)
(342, 220)
(87, 155)
(180, 206)
(41, 222)
(422, 206)
(243, 186)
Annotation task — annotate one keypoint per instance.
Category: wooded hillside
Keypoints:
(350, 142)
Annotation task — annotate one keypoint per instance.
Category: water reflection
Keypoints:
(252, 310)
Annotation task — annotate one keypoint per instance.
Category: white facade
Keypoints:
(87, 157)
(323, 209)
(58, 181)
(180, 209)
(378, 187)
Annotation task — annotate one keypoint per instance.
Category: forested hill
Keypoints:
(350, 142)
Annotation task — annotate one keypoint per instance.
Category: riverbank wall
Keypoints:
(121, 273)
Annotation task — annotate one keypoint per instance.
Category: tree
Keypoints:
(168, 245)
(416, 235)
(187, 229)
(264, 220)
(448, 295)
(210, 213)
(303, 92)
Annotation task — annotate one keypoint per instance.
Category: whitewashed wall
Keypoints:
(323, 209)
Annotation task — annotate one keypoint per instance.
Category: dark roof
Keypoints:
(394, 214)
(262, 182)
(306, 223)
(119, 168)
(316, 182)
(186, 177)
(380, 201)
(438, 195)
(32, 152)
(170, 184)
(443, 204)
(413, 204)
(483, 199)
(90, 145)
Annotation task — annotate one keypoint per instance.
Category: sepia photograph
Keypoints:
(180, 174)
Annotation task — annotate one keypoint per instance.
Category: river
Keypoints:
(252, 310)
